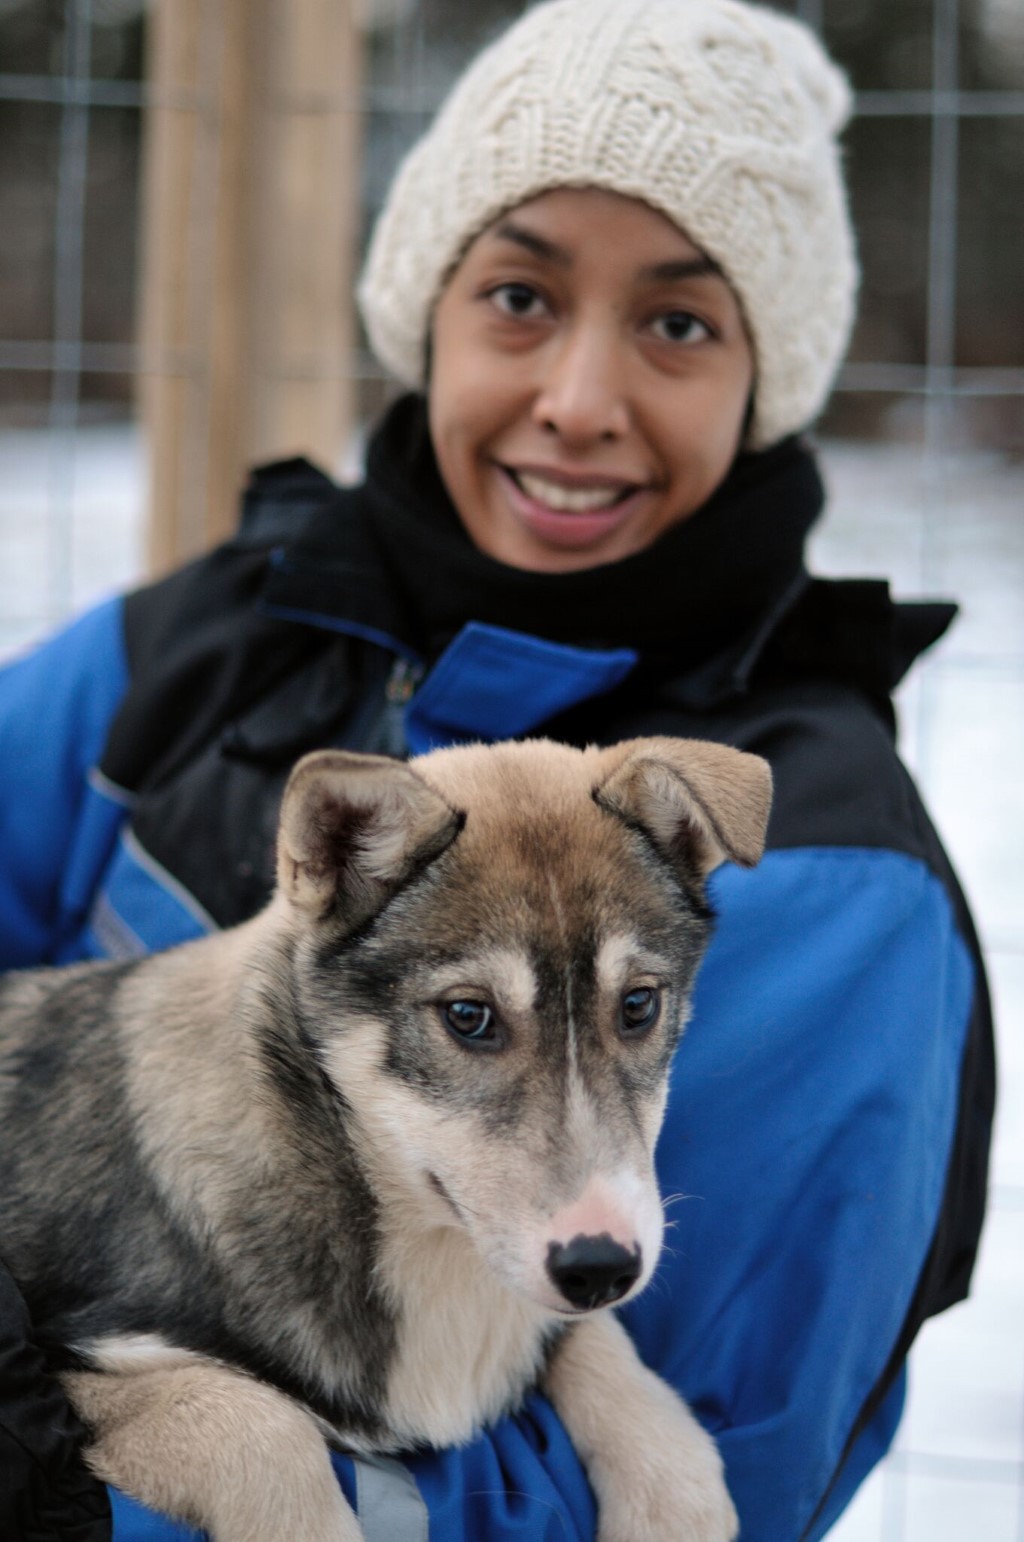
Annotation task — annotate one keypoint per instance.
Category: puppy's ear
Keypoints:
(700, 803)
(353, 828)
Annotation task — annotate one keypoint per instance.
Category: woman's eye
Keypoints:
(681, 327)
(640, 1010)
(472, 1022)
(517, 299)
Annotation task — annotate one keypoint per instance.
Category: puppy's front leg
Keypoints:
(656, 1473)
(215, 1449)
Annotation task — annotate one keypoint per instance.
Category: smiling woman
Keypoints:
(617, 276)
(590, 380)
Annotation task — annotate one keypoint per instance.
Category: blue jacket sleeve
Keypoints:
(56, 823)
(803, 1161)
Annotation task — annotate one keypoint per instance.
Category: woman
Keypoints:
(618, 276)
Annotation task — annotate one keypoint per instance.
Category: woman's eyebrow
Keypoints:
(668, 272)
(508, 230)
(684, 267)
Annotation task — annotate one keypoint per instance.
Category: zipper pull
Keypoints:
(405, 676)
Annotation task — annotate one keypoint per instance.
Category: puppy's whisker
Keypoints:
(519, 1493)
(658, 1285)
(676, 1199)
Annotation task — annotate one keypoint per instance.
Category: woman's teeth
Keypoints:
(568, 500)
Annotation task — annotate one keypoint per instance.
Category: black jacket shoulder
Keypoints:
(200, 649)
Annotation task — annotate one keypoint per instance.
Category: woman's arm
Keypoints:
(56, 706)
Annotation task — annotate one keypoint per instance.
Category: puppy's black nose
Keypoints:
(593, 1271)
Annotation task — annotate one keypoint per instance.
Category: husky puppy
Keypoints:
(368, 1166)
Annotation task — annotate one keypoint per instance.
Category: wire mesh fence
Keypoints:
(924, 446)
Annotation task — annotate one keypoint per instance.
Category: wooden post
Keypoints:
(250, 231)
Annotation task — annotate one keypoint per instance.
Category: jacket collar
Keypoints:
(715, 600)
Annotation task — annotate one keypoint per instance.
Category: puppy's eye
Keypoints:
(472, 1022)
(640, 1010)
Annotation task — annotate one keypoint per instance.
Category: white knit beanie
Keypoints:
(721, 114)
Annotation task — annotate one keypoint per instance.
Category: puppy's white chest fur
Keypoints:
(467, 1346)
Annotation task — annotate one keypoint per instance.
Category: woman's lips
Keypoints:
(570, 512)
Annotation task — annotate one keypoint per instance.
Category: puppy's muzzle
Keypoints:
(593, 1271)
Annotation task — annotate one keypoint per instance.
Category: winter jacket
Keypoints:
(826, 1141)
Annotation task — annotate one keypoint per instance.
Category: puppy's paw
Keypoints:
(678, 1512)
(655, 1471)
(673, 1490)
(216, 1449)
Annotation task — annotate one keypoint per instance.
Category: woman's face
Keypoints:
(589, 383)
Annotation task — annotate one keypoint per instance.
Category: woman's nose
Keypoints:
(582, 393)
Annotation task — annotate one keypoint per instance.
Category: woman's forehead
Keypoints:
(561, 222)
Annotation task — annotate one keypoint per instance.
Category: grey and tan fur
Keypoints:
(365, 1167)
